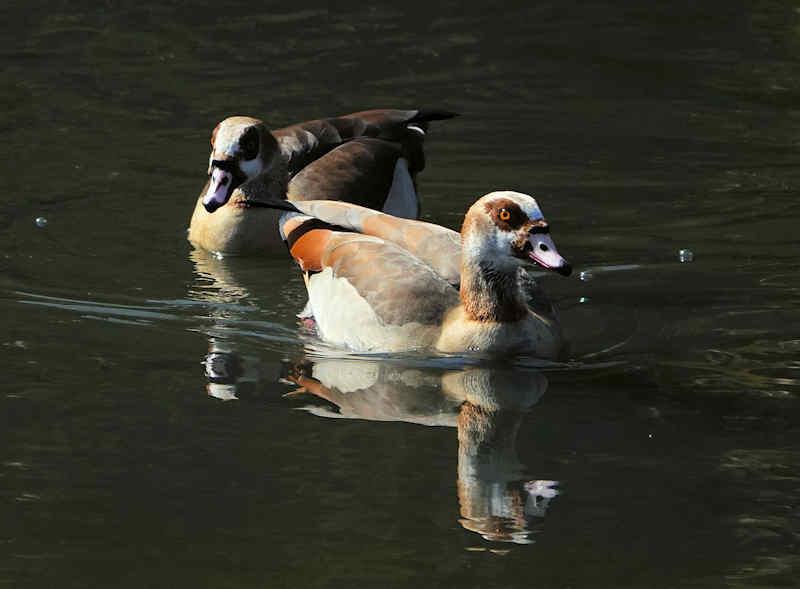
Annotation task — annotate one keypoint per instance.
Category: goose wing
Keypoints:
(434, 245)
(361, 279)
(361, 170)
(308, 141)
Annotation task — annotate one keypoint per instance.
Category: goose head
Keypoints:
(241, 149)
(506, 229)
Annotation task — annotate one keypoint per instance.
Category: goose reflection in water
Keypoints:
(228, 301)
(215, 280)
(486, 405)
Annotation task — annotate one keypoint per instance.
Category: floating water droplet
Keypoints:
(586, 275)
(41, 222)
(583, 300)
(686, 255)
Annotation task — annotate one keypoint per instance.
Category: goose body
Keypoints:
(370, 158)
(381, 283)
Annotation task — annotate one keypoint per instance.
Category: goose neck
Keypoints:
(491, 293)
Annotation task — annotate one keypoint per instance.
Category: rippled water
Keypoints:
(165, 420)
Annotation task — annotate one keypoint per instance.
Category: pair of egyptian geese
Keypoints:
(341, 193)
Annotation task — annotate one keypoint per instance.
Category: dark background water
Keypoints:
(642, 128)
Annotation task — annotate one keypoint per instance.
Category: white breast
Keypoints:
(345, 318)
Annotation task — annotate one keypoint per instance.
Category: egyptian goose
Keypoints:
(379, 283)
(370, 158)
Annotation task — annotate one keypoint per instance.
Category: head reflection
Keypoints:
(486, 405)
(496, 500)
(216, 286)
(225, 304)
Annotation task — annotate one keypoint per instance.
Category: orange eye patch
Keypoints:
(504, 215)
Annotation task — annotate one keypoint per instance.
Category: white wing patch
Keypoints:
(346, 377)
(345, 318)
(402, 200)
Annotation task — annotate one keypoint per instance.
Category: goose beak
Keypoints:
(220, 188)
(541, 249)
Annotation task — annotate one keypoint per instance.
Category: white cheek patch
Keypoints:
(502, 242)
(251, 168)
(494, 245)
(502, 249)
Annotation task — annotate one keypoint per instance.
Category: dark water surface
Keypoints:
(664, 455)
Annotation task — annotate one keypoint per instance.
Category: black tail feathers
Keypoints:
(423, 115)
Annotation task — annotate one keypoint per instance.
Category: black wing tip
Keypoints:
(432, 114)
(273, 203)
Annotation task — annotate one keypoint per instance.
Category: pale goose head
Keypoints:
(241, 149)
(506, 229)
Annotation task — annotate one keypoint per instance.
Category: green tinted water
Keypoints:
(673, 435)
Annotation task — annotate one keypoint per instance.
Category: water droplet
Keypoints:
(41, 222)
(583, 300)
(686, 255)
(586, 275)
(218, 256)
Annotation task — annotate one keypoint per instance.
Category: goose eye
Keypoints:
(505, 215)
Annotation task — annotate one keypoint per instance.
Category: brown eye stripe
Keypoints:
(506, 214)
(249, 144)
